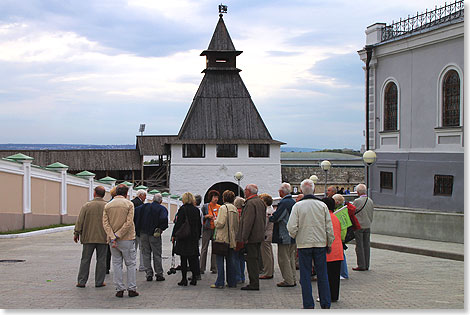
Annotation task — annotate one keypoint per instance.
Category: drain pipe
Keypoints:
(369, 57)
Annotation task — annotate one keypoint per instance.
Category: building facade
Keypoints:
(416, 98)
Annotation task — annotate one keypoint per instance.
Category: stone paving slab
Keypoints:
(46, 280)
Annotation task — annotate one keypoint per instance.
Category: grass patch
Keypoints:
(35, 229)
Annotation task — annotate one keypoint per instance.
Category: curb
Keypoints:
(418, 251)
(33, 233)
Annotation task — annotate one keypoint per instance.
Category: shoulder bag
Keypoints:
(350, 233)
(222, 248)
(185, 229)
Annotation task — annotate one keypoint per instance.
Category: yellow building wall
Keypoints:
(76, 198)
(11, 186)
(45, 197)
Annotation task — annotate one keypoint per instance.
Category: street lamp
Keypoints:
(325, 165)
(314, 179)
(238, 177)
(369, 157)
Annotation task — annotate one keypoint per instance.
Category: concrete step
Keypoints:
(446, 250)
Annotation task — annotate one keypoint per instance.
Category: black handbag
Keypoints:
(221, 248)
(349, 235)
(184, 231)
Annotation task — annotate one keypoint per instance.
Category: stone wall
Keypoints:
(337, 176)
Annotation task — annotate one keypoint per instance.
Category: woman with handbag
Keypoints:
(186, 232)
(223, 245)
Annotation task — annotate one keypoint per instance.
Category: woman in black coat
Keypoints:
(188, 248)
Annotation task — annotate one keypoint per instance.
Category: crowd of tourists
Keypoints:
(311, 235)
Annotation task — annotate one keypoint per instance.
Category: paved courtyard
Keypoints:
(48, 276)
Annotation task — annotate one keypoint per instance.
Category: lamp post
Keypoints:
(238, 177)
(325, 165)
(369, 157)
(314, 179)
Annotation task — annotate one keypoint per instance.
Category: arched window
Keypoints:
(451, 99)
(391, 107)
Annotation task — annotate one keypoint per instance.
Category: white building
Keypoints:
(222, 134)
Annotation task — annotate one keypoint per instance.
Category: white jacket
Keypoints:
(310, 224)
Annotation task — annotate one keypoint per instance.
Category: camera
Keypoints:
(171, 271)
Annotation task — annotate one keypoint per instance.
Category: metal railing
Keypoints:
(424, 20)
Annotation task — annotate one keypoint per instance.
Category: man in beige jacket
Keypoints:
(310, 224)
(118, 222)
(89, 230)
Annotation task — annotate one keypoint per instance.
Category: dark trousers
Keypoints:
(334, 269)
(100, 269)
(108, 259)
(193, 261)
(252, 263)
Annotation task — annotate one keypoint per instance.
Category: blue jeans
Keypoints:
(318, 254)
(238, 263)
(221, 270)
(344, 268)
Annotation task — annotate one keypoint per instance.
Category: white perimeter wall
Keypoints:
(197, 175)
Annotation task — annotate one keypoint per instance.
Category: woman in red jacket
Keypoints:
(335, 257)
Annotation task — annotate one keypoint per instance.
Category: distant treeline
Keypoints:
(345, 151)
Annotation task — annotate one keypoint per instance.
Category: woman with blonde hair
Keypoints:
(226, 228)
(188, 247)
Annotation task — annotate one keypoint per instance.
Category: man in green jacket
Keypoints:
(251, 233)
(89, 230)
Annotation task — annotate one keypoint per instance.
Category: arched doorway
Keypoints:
(221, 187)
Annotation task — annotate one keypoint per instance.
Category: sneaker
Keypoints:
(119, 294)
(213, 286)
(342, 278)
(133, 293)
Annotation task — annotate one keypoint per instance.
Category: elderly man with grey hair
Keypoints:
(251, 233)
(151, 219)
(364, 214)
(310, 225)
(286, 248)
(139, 200)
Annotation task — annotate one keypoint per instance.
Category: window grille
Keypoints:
(451, 99)
(390, 107)
(443, 185)
(258, 150)
(194, 150)
(386, 180)
(227, 150)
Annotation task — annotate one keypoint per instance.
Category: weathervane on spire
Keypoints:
(222, 9)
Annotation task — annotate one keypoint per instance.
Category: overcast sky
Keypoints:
(89, 72)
